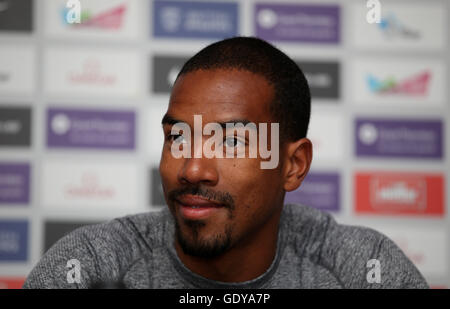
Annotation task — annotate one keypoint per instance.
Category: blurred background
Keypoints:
(81, 105)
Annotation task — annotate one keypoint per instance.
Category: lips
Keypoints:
(195, 207)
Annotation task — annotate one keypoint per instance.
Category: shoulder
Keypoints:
(350, 252)
(103, 252)
(149, 227)
(143, 229)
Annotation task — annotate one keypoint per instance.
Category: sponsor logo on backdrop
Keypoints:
(426, 247)
(103, 19)
(402, 82)
(14, 183)
(156, 192)
(90, 186)
(16, 15)
(55, 230)
(402, 26)
(416, 85)
(325, 132)
(11, 283)
(110, 18)
(399, 138)
(17, 70)
(15, 126)
(195, 19)
(298, 23)
(13, 240)
(165, 71)
(320, 190)
(323, 78)
(391, 26)
(91, 73)
(79, 128)
(96, 72)
(399, 193)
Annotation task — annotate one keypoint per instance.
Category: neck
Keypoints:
(245, 261)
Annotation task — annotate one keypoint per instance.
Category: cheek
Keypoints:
(168, 168)
(250, 186)
(238, 172)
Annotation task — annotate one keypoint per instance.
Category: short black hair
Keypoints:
(292, 104)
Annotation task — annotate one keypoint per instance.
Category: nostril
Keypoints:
(197, 171)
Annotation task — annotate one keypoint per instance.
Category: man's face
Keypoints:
(219, 203)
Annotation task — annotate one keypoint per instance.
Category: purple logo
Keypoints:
(14, 183)
(298, 23)
(90, 129)
(318, 190)
(399, 138)
(195, 19)
(13, 240)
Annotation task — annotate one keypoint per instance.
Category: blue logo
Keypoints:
(195, 20)
(13, 241)
(392, 27)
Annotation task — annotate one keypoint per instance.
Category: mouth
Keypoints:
(194, 207)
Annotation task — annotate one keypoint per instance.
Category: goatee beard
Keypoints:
(210, 248)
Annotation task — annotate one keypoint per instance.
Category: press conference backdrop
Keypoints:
(81, 105)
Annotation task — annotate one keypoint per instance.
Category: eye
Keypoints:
(233, 141)
(177, 138)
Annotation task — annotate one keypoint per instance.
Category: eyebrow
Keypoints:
(169, 120)
(234, 122)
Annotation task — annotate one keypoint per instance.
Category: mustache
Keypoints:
(224, 198)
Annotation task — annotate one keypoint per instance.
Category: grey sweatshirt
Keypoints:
(313, 251)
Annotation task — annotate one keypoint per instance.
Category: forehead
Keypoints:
(221, 94)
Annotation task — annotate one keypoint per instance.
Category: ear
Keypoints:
(298, 160)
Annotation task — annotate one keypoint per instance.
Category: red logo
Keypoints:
(92, 73)
(110, 19)
(11, 283)
(90, 187)
(399, 193)
(415, 85)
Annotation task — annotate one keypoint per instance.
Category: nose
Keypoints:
(198, 171)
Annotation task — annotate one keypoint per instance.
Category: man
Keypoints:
(226, 225)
